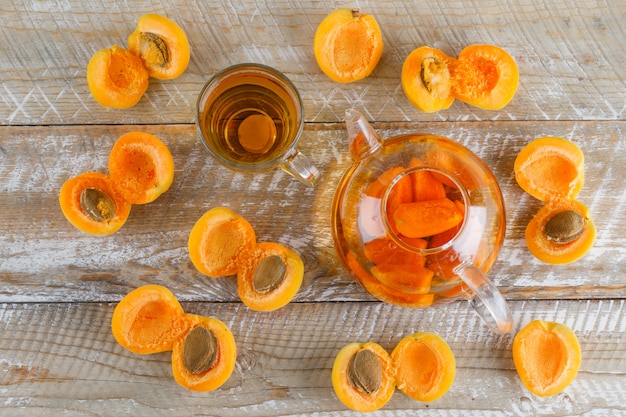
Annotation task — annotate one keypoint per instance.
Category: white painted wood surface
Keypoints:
(58, 287)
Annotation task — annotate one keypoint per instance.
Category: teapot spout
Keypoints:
(363, 139)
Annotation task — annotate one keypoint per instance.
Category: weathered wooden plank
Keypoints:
(569, 56)
(43, 258)
(62, 358)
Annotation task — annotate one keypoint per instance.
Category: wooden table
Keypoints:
(60, 286)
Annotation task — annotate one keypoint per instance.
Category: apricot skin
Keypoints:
(117, 78)
(547, 357)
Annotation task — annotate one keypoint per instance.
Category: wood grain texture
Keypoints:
(570, 56)
(58, 286)
(43, 258)
(71, 363)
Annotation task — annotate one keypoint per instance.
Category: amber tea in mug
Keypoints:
(250, 117)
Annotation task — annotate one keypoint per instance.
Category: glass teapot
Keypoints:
(415, 243)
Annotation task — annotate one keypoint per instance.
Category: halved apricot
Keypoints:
(561, 232)
(204, 358)
(92, 204)
(387, 251)
(485, 76)
(348, 45)
(218, 240)
(547, 357)
(363, 377)
(149, 319)
(162, 45)
(550, 168)
(426, 79)
(414, 279)
(425, 366)
(116, 77)
(141, 167)
(269, 276)
(383, 291)
(421, 219)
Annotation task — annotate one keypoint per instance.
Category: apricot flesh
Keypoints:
(348, 45)
(141, 166)
(425, 366)
(550, 168)
(486, 76)
(116, 77)
(218, 240)
(547, 357)
(149, 319)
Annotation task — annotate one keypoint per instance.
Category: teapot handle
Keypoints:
(487, 301)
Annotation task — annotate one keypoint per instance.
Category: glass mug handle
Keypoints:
(488, 302)
(298, 165)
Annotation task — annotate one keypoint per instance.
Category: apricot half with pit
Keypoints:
(162, 45)
(363, 376)
(92, 204)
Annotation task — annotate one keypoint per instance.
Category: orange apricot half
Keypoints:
(363, 377)
(550, 168)
(485, 76)
(162, 45)
(218, 240)
(426, 79)
(204, 358)
(269, 276)
(561, 232)
(547, 357)
(92, 204)
(116, 77)
(141, 167)
(425, 366)
(148, 319)
(348, 45)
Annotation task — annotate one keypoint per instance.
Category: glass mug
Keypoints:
(250, 117)
(459, 264)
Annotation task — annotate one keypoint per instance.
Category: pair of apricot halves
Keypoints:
(118, 77)
(150, 319)
(141, 168)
